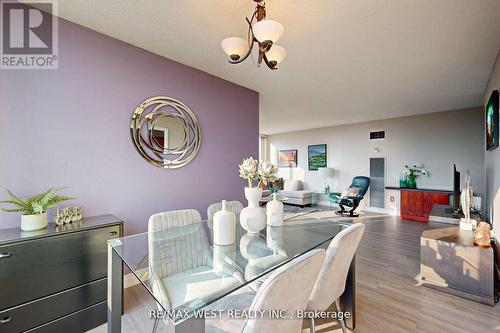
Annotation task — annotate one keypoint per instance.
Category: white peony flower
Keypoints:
(248, 169)
(267, 172)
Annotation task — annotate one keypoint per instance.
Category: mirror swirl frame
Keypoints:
(142, 124)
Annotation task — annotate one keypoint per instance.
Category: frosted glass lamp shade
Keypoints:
(234, 47)
(267, 30)
(276, 54)
(326, 172)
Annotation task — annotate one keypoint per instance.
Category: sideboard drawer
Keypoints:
(78, 322)
(46, 309)
(38, 268)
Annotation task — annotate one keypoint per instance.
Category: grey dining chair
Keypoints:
(289, 287)
(181, 260)
(330, 283)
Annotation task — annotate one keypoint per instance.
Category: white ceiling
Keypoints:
(348, 60)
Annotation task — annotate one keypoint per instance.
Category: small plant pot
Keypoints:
(34, 222)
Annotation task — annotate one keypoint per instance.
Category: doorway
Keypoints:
(377, 182)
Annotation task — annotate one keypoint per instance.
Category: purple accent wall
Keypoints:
(70, 127)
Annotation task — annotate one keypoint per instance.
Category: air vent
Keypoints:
(377, 135)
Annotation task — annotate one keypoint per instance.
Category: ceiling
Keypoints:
(348, 60)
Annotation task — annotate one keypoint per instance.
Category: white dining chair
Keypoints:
(181, 260)
(331, 280)
(289, 288)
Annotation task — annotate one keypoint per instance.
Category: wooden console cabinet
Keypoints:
(416, 204)
(450, 262)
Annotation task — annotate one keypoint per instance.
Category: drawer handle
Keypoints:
(113, 233)
(5, 320)
(5, 254)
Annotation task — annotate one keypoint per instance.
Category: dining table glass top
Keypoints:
(185, 271)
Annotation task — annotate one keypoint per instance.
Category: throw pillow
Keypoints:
(293, 185)
(350, 192)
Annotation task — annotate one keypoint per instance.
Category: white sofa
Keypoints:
(293, 190)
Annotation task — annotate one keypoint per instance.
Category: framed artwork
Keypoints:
(492, 121)
(316, 157)
(287, 158)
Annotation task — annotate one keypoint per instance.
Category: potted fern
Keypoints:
(34, 210)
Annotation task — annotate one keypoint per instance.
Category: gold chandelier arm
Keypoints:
(251, 41)
(267, 62)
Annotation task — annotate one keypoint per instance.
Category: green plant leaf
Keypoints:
(13, 197)
(37, 204)
(12, 210)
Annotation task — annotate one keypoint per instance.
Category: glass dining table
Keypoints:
(185, 272)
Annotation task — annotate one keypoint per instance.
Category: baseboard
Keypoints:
(130, 280)
(379, 210)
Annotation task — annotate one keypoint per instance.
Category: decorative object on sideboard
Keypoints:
(466, 223)
(316, 157)
(287, 158)
(412, 172)
(264, 33)
(253, 217)
(224, 226)
(492, 122)
(325, 173)
(482, 236)
(165, 132)
(68, 215)
(402, 180)
(274, 211)
(34, 210)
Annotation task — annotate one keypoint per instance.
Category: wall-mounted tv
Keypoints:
(492, 135)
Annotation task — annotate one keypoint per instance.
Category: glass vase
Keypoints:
(411, 182)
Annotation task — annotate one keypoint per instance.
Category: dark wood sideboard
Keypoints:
(55, 279)
(416, 204)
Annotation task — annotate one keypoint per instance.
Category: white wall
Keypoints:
(492, 162)
(437, 140)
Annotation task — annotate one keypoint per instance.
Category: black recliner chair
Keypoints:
(360, 182)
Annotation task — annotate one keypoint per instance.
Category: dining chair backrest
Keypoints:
(289, 287)
(331, 280)
(177, 242)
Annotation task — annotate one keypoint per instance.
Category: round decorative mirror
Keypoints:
(165, 132)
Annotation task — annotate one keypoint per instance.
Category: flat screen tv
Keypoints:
(456, 190)
(455, 210)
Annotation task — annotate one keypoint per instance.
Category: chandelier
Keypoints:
(265, 33)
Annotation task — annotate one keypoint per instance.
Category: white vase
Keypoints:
(224, 226)
(274, 212)
(223, 256)
(275, 239)
(253, 217)
(33, 222)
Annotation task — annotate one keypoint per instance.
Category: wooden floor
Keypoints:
(388, 296)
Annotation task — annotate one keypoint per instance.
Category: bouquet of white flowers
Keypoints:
(263, 172)
(415, 170)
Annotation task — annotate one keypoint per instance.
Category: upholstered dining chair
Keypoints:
(289, 287)
(331, 280)
(181, 260)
